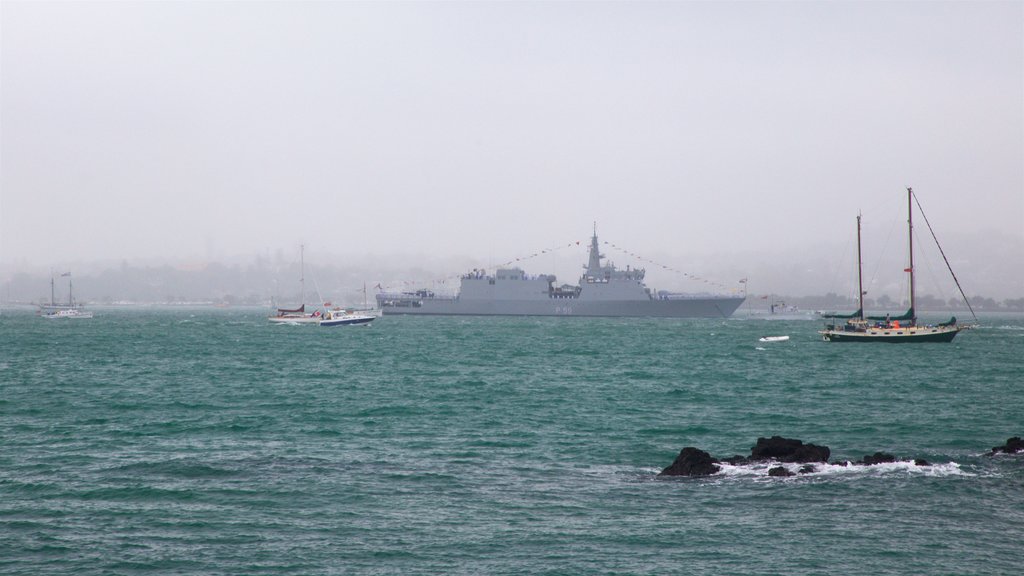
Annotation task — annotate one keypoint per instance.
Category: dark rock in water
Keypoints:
(807, 469)
(844, 463)
(1012, 446)
(779, 471)
(735, 460)
(788, 450)
(921, 462)
(877, 458)
(692, 462)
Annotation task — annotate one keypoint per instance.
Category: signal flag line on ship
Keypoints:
(576, 244)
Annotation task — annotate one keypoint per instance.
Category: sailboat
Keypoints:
(71, 310)
(902, 328)
(297, 315)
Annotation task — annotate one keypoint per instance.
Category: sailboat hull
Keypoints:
(894, 335)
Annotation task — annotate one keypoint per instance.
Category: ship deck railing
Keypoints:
(413, 296)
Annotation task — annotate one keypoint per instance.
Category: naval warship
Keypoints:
(603, 290)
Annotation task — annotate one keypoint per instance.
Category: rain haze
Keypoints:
(724, 140)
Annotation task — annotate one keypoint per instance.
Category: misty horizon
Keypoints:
(814, 272)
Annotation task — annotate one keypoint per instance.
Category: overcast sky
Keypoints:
(492, 130)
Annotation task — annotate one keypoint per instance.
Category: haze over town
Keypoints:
(410, 142)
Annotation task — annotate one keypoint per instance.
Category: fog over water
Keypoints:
(411, 141)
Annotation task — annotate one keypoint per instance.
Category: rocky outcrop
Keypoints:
(695, 462)
(692, 462)
(788, 450)
(1012, 446)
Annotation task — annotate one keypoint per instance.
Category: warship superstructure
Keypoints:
(603, 290)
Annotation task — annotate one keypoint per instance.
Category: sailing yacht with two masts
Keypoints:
(71, 310)
(902, 328)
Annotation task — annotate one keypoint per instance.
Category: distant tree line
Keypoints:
(927, 302)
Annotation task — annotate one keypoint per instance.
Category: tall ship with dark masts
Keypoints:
(603, 290)
(902, 328)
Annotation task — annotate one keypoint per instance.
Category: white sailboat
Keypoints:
(71, 310)
(327, 317)
(297, 315)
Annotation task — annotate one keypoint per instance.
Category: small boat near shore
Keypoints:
(773, 338)
(71, 310)
(68, 313)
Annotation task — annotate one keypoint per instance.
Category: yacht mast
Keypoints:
(910, 235)
(860, 274)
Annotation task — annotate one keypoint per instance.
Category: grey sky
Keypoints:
(689, 131)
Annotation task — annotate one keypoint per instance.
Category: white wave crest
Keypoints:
(760, 469)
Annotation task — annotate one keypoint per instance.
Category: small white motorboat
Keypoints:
(342, 317)
(773, 338)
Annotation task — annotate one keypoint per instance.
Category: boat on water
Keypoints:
(893, 329)
(346, 317)
(55, 310)
(603, 290)
(297, 315)
(773, 338)
(68, 313)
(327, 317)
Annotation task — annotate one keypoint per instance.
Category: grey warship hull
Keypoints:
(711, 307)
(603, 291)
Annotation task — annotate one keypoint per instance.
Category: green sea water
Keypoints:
(196, 441)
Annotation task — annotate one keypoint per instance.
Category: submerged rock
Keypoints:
(788, 450)
(779, 471)
(1012, 446)
(692, 462)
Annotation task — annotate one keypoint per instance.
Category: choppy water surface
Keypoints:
(208, 441)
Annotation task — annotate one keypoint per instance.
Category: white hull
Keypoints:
(68, 314)
(308, 319)
(346, 319)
